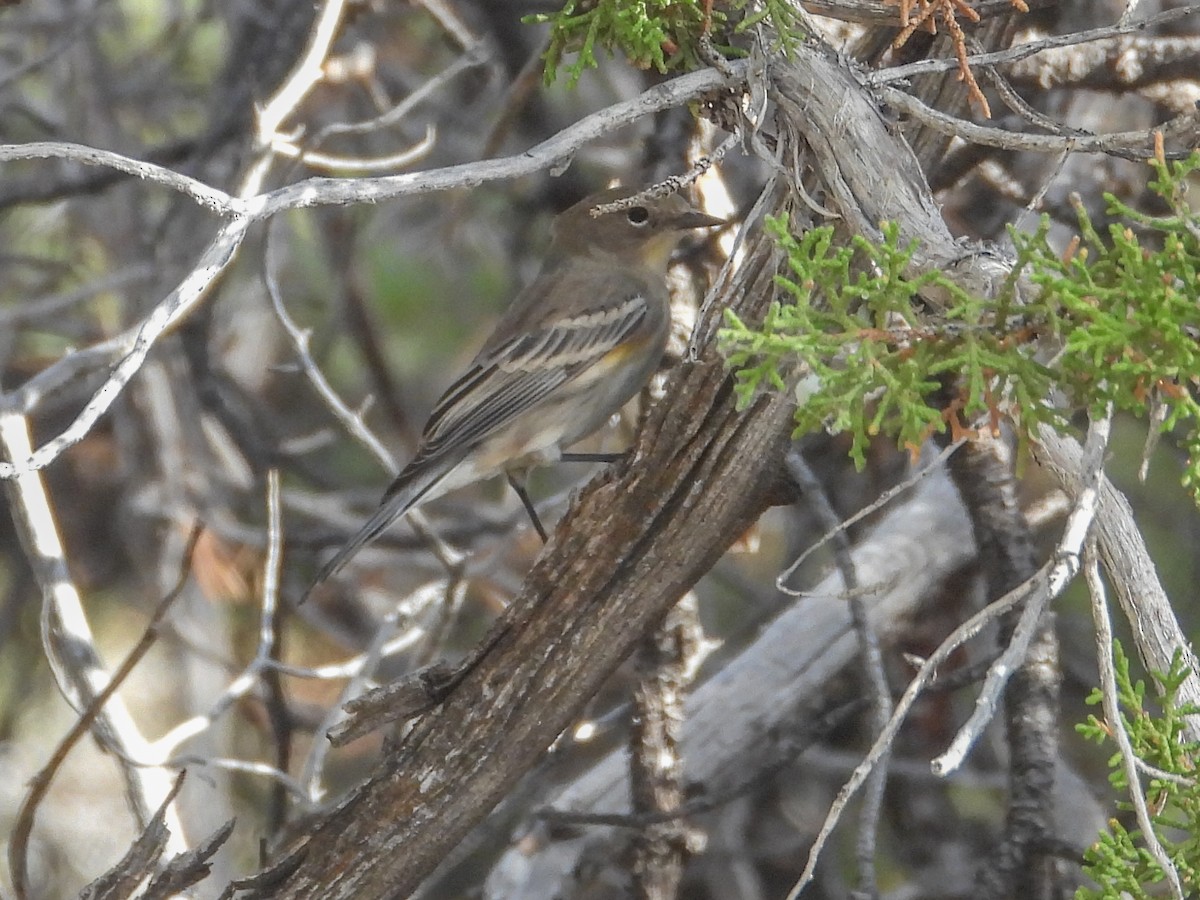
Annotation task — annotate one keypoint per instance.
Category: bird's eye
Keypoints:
(638, 215)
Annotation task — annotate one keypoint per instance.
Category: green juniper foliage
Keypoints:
(1113, 320)
(1118, 862)
(661, 34)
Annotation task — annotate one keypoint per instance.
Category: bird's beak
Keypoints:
(693, 218)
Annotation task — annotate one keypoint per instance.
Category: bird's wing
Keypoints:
(506, 380)
(512, 377)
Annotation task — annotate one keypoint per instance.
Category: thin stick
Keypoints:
(924, 676)
(872, 657)
(1116, 722)
(884, 499)
(18, 848)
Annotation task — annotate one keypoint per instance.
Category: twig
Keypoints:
(352, 666)
(1135, 145)
(1051, 580)
(1022, 107)
(1156, 630)
(307, 72)
(1012, 54)
(672, 183)
(1161, 774)
(271, 645)
(998, 675)
(1069, 550)
(300, 337)
(475, 56)
(250, 767)
(133, 347)
(313, 769)
(398, 160)
(353, 422)
(1039, 195)
(18, 848)
(67, 637)
(876, 678)
(1116, 722)
(164, 748)
(205, 195)
(928, 670)
(883, 500)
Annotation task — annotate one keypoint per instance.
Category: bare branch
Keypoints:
(1183, 131)
(134, 346)
(1156, 630)
(206, 196)
(1070, 547)
(167, 816)
(872, 658)
(1116, 721)
(307, 72)
(1050, 581)
(1023, 51)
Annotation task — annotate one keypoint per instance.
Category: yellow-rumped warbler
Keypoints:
(576, 344)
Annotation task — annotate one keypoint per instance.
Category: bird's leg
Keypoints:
(517, 480)
(593, 457)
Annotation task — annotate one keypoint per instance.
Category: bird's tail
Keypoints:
(409, 489)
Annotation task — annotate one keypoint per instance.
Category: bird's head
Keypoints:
(644, 234)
